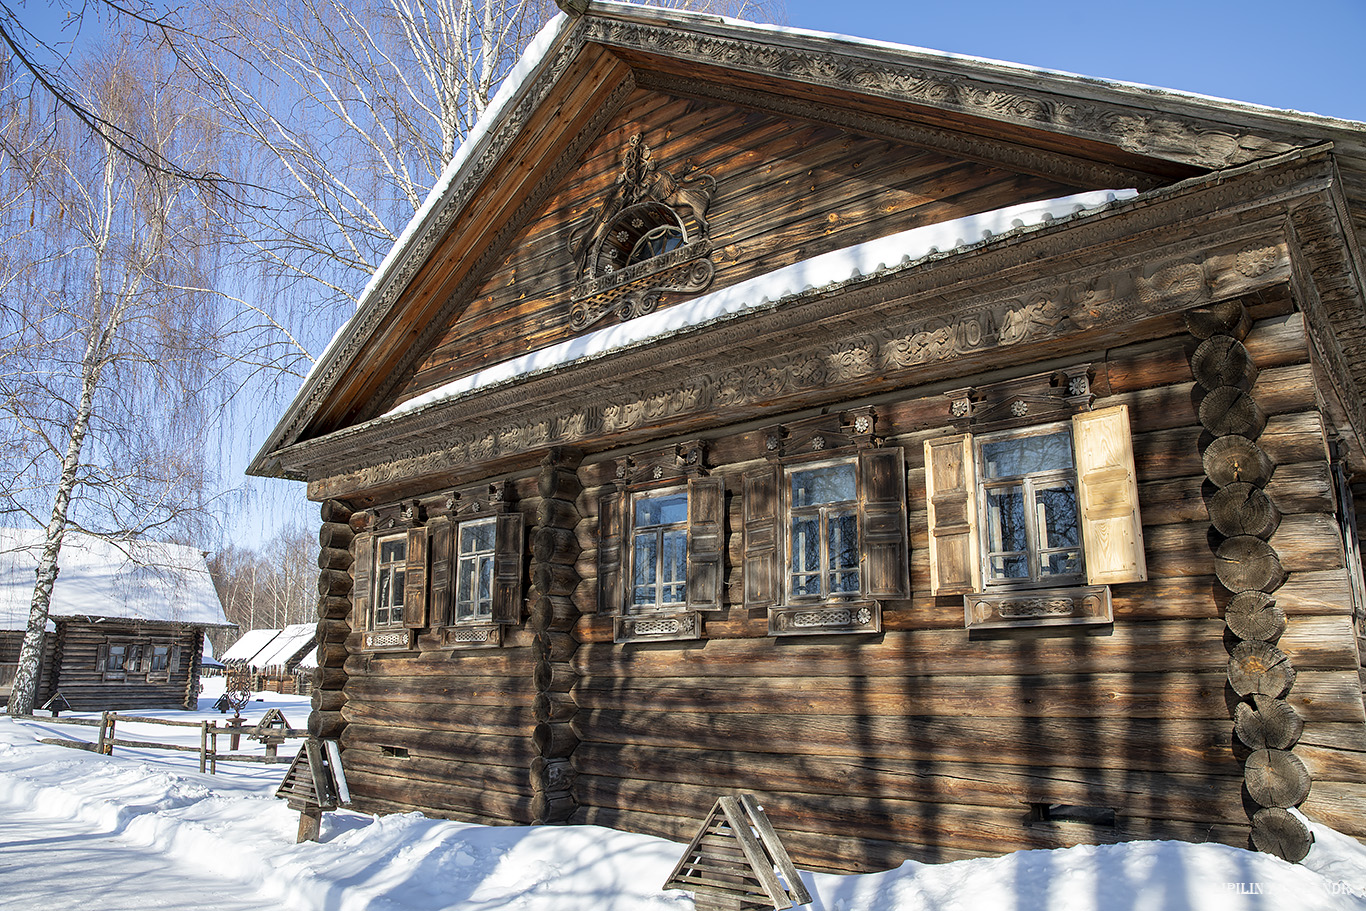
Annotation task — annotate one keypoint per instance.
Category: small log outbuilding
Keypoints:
(958, 456)
(126, 622)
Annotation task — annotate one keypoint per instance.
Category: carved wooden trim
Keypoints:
(1038, 607)
(472, 635)
(388, 640)
(1188, 139)
(910, 332)
(825, 619)
(658, 626)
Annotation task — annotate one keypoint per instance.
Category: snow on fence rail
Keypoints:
(209, 755)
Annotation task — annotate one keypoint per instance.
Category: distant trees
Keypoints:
(268, 587)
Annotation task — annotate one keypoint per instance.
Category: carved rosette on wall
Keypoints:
(648, 236)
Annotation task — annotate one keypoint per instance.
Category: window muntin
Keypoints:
(475, 545)
(659, 551)
(1031, 524)
(823, 543)
(389, 577)
(117, 658)
(160, 659)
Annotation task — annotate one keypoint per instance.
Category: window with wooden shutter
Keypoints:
(706, 542)
(760, 510)
(951, 501)
(611, 594)
(882, 524)
(363, 580)
(507, 568)
(441, 591)
(415, 580)
(1108, 486)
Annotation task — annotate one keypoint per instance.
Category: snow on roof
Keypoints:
(898, 250)
(252, 643)
(291, 640)
(310, 661)
(125, 580)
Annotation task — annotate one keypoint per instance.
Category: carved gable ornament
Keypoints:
(649, 235)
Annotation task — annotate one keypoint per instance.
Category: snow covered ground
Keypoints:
(145, 830)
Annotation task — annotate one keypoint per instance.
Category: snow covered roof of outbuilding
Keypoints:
(252, 643)
(98, 578)
(286, 646)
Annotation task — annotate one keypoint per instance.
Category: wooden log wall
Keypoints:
(926, 741)
(553, 614)
(445, 731)
(335, 560)
(768, 170)
(1245, 517)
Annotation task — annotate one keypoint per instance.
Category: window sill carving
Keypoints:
(1089, 604)
(472, 635)
(830, 618)
(383, 640)
(658, 627)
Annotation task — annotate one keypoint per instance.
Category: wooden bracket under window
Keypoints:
(826, 619)
(388, 640)
(658, 627)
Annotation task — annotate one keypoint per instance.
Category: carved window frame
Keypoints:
(634, 532)
(478, 505)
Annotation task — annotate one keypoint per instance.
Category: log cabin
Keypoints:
(956, 455)
(126, 624)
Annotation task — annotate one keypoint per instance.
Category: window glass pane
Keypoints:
(392, 550)
(1009, 566)
(116, 655)
(843, 553)
(1006, 519)
(486, 580)
(1056, 514)
(806, 555)
(644, 568)
(1065, 563)
(1018, 456)
(160, 657)
(828, 484)
(666, 510)
(476, 536)
(398, 587)
(464, 587)
(674, 568)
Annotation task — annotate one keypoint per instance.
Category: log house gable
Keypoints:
(1034, 127)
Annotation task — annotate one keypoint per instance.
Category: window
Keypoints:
(1032, 526)
(1031, 531)
(660, 559)
(118, 655)
(826, 543)
(390, 573)
(457, 578)
(659, 551)
(474, 570)
(161, 658)
(823, 539)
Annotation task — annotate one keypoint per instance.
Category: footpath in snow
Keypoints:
(145, 830)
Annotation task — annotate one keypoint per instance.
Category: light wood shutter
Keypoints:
(706, 542)
(507, 568)
(610, 594)
(443, 544)
(763, 564)
(415, 580)
(951, 495)
(363, 581)
(882, 524)
(1112, 531)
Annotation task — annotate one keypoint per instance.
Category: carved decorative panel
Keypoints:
(826, 619)
(388, 639)
(659, 627)
(1039, 607)
(472, 635)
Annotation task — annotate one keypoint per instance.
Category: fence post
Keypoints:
(213, 754)
(203, 745)
(106, 744)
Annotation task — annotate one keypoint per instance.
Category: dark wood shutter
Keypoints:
(763, 563)
(882, 524)
(442, 544)
(102, 657)
(611, 595)
(415, 580)
(951, 492)
(363, 581)
(1112, 531)
(706, 542)
(507, 568)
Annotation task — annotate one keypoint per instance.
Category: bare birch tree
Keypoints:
(103, 426)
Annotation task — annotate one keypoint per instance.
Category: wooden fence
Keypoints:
(209, 731)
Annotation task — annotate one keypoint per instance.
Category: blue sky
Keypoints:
(1306, 55)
